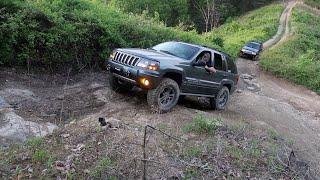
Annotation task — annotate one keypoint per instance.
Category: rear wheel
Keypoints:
(221, 100)
(165, 96)
(118, 85)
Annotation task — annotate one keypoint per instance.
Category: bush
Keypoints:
(298, 59)
(77, 33)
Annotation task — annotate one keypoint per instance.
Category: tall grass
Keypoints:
(298, 58)
(260, 24)
(314, 3)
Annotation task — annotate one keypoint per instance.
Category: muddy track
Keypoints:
(262, 99)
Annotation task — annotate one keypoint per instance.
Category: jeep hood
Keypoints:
(250, 49)
(151, 54)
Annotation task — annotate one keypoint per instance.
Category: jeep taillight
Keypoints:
(237, 78)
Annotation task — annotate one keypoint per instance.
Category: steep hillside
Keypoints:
(314, 3)
(297, 58)
(260, 24)
(81, 33)
(57, 35)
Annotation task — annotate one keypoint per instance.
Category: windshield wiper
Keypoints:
(167, 52)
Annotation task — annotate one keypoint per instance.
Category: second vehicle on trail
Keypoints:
(174, 69)
(251, 50)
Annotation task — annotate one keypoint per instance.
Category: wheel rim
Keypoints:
(223, 98)
(167, 96)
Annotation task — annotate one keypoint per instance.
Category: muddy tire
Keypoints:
(117, 85)
(255, 58)
(165, 96)
(221, 100)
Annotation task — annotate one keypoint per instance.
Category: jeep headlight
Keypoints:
(148, 65)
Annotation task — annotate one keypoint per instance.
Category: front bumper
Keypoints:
(133, 75)
(247, 54)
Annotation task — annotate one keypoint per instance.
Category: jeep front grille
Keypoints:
(125, 59)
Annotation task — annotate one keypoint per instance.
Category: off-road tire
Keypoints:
(255, 58)
(153, 96)
(216, 104)
(115, 84)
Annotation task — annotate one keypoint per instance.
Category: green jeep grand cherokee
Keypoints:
(173, 69)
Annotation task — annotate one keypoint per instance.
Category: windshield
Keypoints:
(181, 50)
(253, 45)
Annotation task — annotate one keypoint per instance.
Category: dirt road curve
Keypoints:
(291, 110)
(33, 105)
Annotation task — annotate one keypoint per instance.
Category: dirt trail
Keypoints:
(290, 109)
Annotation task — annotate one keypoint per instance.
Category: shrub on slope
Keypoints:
(80, 33)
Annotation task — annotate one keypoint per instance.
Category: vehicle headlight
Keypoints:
(149, 65)
(253, 53)
(112, 55)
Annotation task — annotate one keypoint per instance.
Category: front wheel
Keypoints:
(221, 100)
(165, 96)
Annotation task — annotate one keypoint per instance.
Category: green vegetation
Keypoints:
(194, 151)
(57, 35)
(298, 58)
(256, 25)
(201, 124)
(35, 142)
(238, 147)
(40, 156)
(237, 152)
(101, 168)
(81, 33)
(187, 13)
(314, 3)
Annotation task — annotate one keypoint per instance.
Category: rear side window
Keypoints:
(219, 63)
(231, 65)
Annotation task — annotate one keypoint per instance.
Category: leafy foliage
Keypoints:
(186, 12)
(79, 33)
(57, 35)
(298, 59)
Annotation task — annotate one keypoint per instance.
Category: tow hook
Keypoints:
(108, 67)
